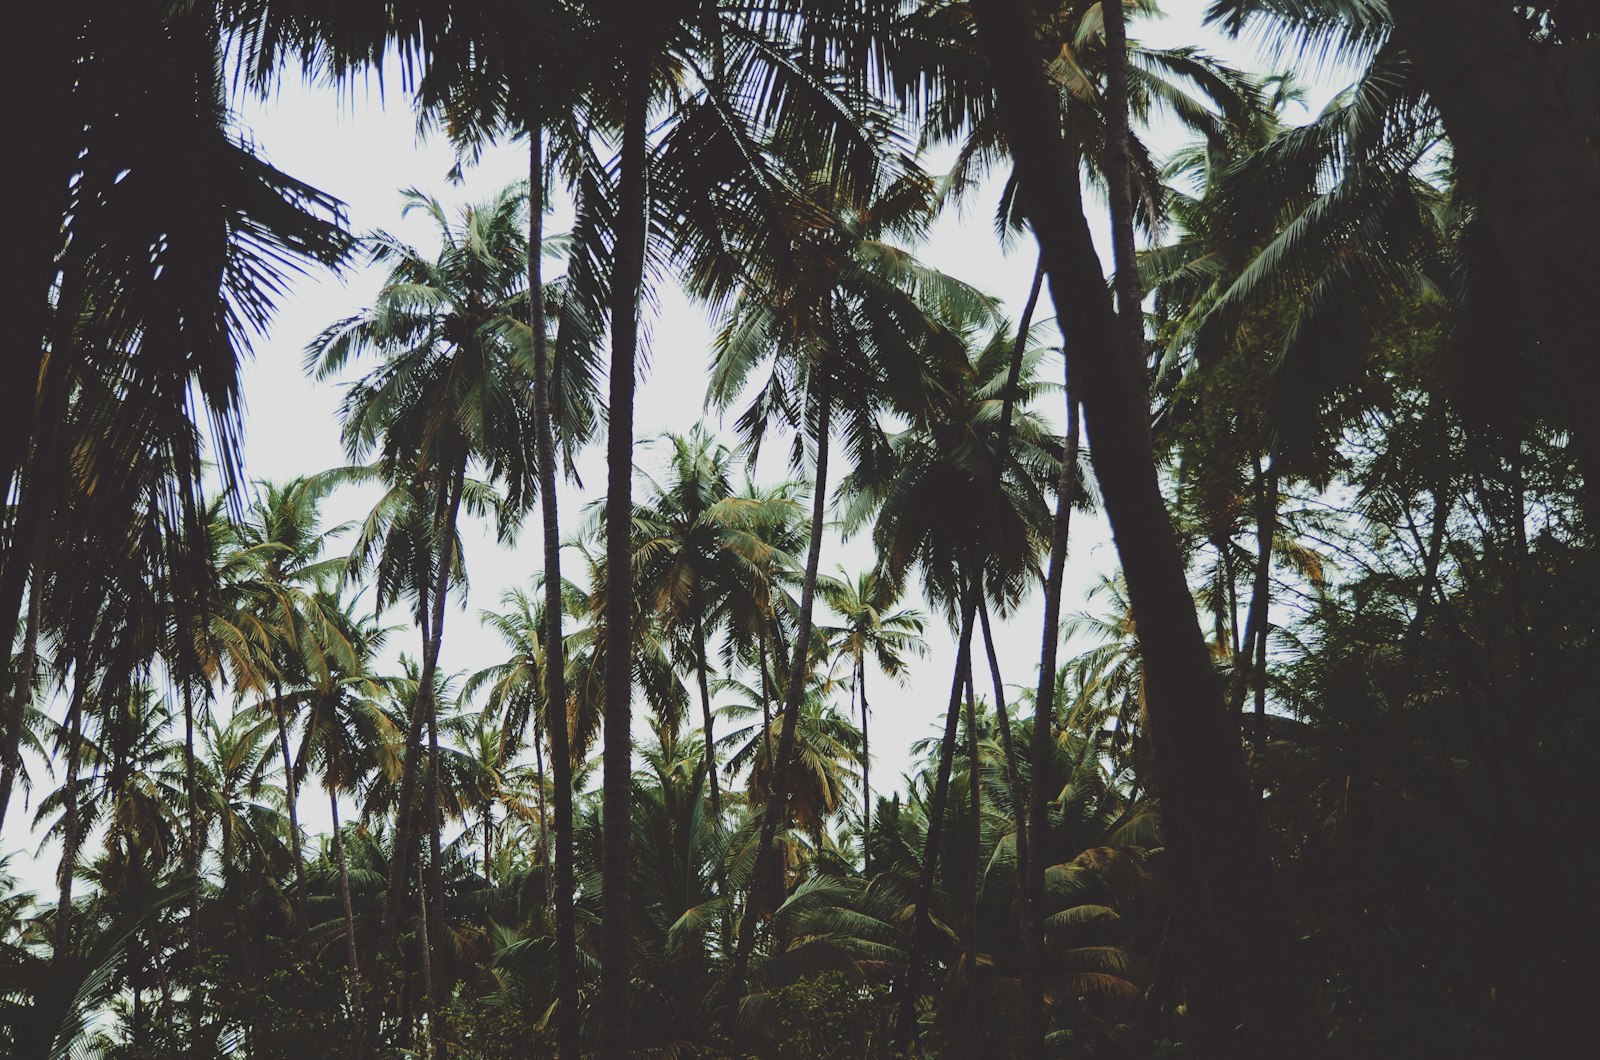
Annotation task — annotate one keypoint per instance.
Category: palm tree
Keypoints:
(872, 625)
(697, 546)
(940, 512)
(1210, 798)
(451, 391)
(854, 334)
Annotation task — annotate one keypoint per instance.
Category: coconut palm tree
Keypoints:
(451, 392)
(852, 336)
(872, 624)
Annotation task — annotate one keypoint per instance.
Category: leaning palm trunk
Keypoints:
(555, 680)
(911, 976)
(1212, 816)
(793, 693)
(617, 756)
(405, 836)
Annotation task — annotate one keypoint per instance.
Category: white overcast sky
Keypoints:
(362, 146)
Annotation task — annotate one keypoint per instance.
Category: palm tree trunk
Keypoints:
(71, 826)
(17, 719)
(555, 680)
(433, 895)
(1252, 664)
(1002, 458)
(352, 953)
(705, 712)
(405, 838)
(617, 756)
(766, 698)
(910, 979)
(192, 853)
(1213, 817)
(425, 950)
(544, 828)
(975, 814)
(1013, 769)
(291, 796)
(1119, 178)
(793, 693)
(866, 771)
(1039, 751)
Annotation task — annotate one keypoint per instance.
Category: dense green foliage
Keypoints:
(1310, 772)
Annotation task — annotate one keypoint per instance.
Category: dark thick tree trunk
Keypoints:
(1212, 815)
(793, 693)
(911, 976)
(617, 767)
(1535, 174)
(555, 674)
(405, 837)
(291, 797)
(1119, 178)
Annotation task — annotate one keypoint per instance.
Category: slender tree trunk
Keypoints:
(555, 674)
(544, 831)
(1251, 665)
(975, 867)
(405, 836)
(793, 693)
(766, 699)
(193, 855)
(866, 771)
(433, 894)
(352, 953)
(1213, 818)
(911, 976)
(71, 825)
(1534, 173)
(425, 952)
(291, 796)
(617, 758)
(1003, 719)
(1041, 746)
(705, 713)
(1119, 178)
(17, 720)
